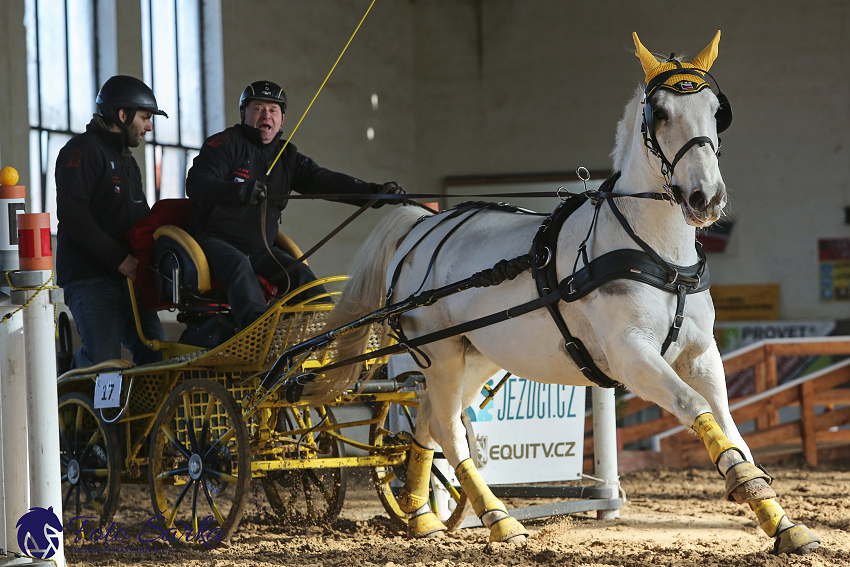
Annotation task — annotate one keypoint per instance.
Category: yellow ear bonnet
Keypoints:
(684, 83)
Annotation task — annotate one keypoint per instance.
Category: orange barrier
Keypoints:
(34, 250)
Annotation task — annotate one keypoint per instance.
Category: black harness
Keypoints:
(643, 265)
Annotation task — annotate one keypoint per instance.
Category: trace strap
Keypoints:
(644, 265)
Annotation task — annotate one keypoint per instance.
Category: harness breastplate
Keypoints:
(644, 266)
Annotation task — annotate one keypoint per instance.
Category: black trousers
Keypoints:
(235, 270)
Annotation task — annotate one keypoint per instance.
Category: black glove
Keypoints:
(391, 188)
(252, 192)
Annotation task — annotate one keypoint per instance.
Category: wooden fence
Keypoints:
(822, 400)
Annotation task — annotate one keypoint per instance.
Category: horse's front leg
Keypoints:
(745, 483)
(636, 359)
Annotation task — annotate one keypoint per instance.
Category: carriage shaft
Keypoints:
(329, 463)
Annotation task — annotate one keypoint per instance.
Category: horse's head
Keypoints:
(681, 121)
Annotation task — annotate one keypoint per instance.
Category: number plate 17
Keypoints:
(107, 390)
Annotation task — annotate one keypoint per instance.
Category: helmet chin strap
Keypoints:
(124, 125)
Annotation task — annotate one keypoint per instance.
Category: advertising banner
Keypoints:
(529, 432)
(834, 256)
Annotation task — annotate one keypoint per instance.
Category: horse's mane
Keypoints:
(625, 129)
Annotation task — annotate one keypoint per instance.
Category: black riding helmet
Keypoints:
(263, 90)
(129, 93)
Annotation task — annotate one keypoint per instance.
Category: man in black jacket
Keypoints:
(235, 209)
(99, 195)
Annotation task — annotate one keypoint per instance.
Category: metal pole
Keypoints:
(15, 488)
(42, 404)
(605, 445)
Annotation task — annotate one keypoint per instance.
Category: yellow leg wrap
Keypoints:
(425, 525)
(769, 514)
(414, 495)
(483, 501)
(710, 433)
(482, 498)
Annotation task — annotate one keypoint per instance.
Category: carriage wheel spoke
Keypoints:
(67, 499)
(92, 442)
(91, 500)
(220, 443)
(177, 502)
(195, 508)
(172, 472)
(78, 426)
(94, 473)
(216, 513)
(205, 428)
(77, 506)
(174, 441)
(318, 483)
(190, 422)
(63, 438)
(219, 475)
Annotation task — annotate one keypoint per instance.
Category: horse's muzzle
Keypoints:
(699, 210)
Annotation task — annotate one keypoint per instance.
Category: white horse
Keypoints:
(623, 323)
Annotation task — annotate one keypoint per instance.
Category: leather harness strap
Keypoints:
(644, 265)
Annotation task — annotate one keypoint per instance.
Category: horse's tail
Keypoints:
(363, 293)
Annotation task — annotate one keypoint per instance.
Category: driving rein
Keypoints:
(644, 265)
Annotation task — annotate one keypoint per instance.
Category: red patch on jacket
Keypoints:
(75, 157)
(217, 140)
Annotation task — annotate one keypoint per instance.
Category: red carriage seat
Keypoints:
(166, 251)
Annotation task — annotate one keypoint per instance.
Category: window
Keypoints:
(63, 75)
(72, 50)
(182, 64)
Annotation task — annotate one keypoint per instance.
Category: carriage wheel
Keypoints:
(90, 460)
(200, 464)
(389, 480)
(310, 496)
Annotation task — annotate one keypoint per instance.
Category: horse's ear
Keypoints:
(708, 55)
(647, 59)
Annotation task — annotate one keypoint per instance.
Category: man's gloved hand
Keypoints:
(391, 188)
(252, 192)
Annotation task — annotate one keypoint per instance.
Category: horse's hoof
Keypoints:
(797, 539)
(745, 482)
(425, 525)
(507, 530)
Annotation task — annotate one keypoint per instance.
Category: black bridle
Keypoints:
(723, 117)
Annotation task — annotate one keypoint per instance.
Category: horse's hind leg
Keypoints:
(745, 483)
(452, 385)
(413, 499)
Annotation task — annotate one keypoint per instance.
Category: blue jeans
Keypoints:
(103, 313)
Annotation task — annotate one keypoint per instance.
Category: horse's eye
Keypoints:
(660, 116)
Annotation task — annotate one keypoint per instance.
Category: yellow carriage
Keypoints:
(197, 430)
